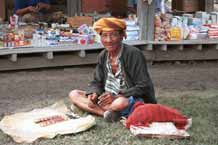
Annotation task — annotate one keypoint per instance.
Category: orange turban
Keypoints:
(109, 24)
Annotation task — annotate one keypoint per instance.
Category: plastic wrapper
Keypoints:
(159, 130)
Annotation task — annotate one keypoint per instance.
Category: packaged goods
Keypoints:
(175, 33)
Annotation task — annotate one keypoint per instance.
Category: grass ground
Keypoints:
(203, 110)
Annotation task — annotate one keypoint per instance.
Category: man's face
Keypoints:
(112, 40)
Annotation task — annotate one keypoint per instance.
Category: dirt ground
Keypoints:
(26, 90)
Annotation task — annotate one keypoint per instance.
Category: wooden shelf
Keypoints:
(73, 54)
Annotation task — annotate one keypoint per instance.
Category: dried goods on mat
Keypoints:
(44, 123)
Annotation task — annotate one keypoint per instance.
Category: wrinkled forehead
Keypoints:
(111, 32)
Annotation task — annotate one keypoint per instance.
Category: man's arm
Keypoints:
(29, 9)
(22, 7)
(96, 85)
(43, 6)
(136, 70)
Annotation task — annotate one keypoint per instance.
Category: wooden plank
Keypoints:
(59, 48)
(87, 54)
(186, 42)
(30, 62)
(94, 47)
(62, 48)
(135, 42)
(186, 54)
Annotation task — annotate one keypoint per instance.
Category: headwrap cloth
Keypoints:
(110, 24)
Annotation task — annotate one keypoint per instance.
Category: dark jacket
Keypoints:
(136, 75)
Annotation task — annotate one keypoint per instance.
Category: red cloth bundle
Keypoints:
(144, 114)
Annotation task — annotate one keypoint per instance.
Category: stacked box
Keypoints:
(162, 27)
(187, 5)
(203, 16)
(214, 17)
(132, 30)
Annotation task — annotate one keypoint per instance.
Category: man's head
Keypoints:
(112, 31)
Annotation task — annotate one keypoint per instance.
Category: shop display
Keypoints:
(76, 31)
(132, 29)
(16, 35)
(162, 27)
(201, 25)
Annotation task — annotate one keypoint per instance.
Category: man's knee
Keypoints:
(73, 94)
(29, 17)
(120, 103)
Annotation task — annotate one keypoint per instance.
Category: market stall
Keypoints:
(75, 43)
(187, 32)
(72, 42)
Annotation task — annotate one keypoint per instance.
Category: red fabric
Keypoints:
(145, 114)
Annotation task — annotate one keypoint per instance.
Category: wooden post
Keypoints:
(146, 14)
(73, 7)
(2, 9)
(216, 46)
(163, 47)
(49, 55)
(199, 47)
(180, 47)
(13, 57)
(149, 47)
(209, 5)
(82, 53)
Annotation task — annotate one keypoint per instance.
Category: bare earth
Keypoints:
(26, 90)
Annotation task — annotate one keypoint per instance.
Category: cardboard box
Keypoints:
(90, 6)
(77, 21)
(115, 7)
(2, 9)
(188, 5)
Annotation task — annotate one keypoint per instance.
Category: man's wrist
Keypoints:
(26, 10)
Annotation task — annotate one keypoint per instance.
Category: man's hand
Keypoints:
(32, 9)
(41, 6)
(105, 99)
(92, 99)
